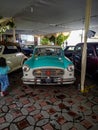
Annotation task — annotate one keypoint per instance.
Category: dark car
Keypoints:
(68, 51)
(92, 58)
(28, 49)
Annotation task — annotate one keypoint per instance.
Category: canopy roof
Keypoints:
(40, 17)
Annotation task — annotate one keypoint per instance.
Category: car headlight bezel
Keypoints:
(70, 68)
(26, 68)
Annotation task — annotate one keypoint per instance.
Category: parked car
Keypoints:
(13, 55)
(27, 49)
(48, 65)
(68, 51)
(92, 58)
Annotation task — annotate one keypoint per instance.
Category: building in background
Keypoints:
(77, 36)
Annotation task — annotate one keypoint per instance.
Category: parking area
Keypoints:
(49, 107)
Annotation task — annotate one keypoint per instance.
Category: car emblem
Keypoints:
(48, 72)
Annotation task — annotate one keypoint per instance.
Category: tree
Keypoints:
(45, 41)
(61, 38)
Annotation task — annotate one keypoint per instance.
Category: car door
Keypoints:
(77, 55)
(10, 53)
(92, 60)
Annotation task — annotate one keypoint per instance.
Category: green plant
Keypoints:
(45, 41)
(60, 39)
(52, 39)
(6, 24)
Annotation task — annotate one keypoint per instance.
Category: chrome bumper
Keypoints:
(48, 81)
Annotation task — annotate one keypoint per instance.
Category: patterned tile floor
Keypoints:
(48, 107)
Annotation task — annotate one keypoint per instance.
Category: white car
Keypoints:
(13, 55)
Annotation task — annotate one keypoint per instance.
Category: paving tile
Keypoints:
(61, 96)
(6, 129)
(37, 128)
(36, 98)
(26, 101)
(30, 108)
(17, 119)
(9, 117)
(22, 124)
(53, 100)
(34, 112)
(87, 124)
(67, 126)
(55, 124)
(42, 122)
(16, 113)
(4, 125)
(13, 127)
(51, 111)
(47, 94)
(73, 128)
(43, 103)
(45, 114)
(81, 108)
(24, 111)
(63, 106)
(31, 120)
(9, 99)
(4, 109)
(2, 120)
(48, 127)
(61, 120)
(71, 102)
(72, 113)
(12, 106)
(95, 108)
(38, 117)
(95, 116)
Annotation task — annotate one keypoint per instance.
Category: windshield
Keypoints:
(48, 51)
(29, 47)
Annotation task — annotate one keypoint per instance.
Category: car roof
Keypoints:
(88, 43)
(10, 44)
(28, 44)
(46, 46)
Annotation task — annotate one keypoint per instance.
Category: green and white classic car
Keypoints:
(47, 66)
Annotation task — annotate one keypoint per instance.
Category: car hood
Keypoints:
(48, 61)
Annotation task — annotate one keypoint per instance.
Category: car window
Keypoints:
(10, 50)
(78, 48)
(48, 51)
(71, 48)
(29, 46)
(96, 50)
(90, 51)
(0, 49)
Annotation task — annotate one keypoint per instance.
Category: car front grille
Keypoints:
(49, 72)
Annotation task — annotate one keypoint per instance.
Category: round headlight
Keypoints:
(70, 68)
(25, 68)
